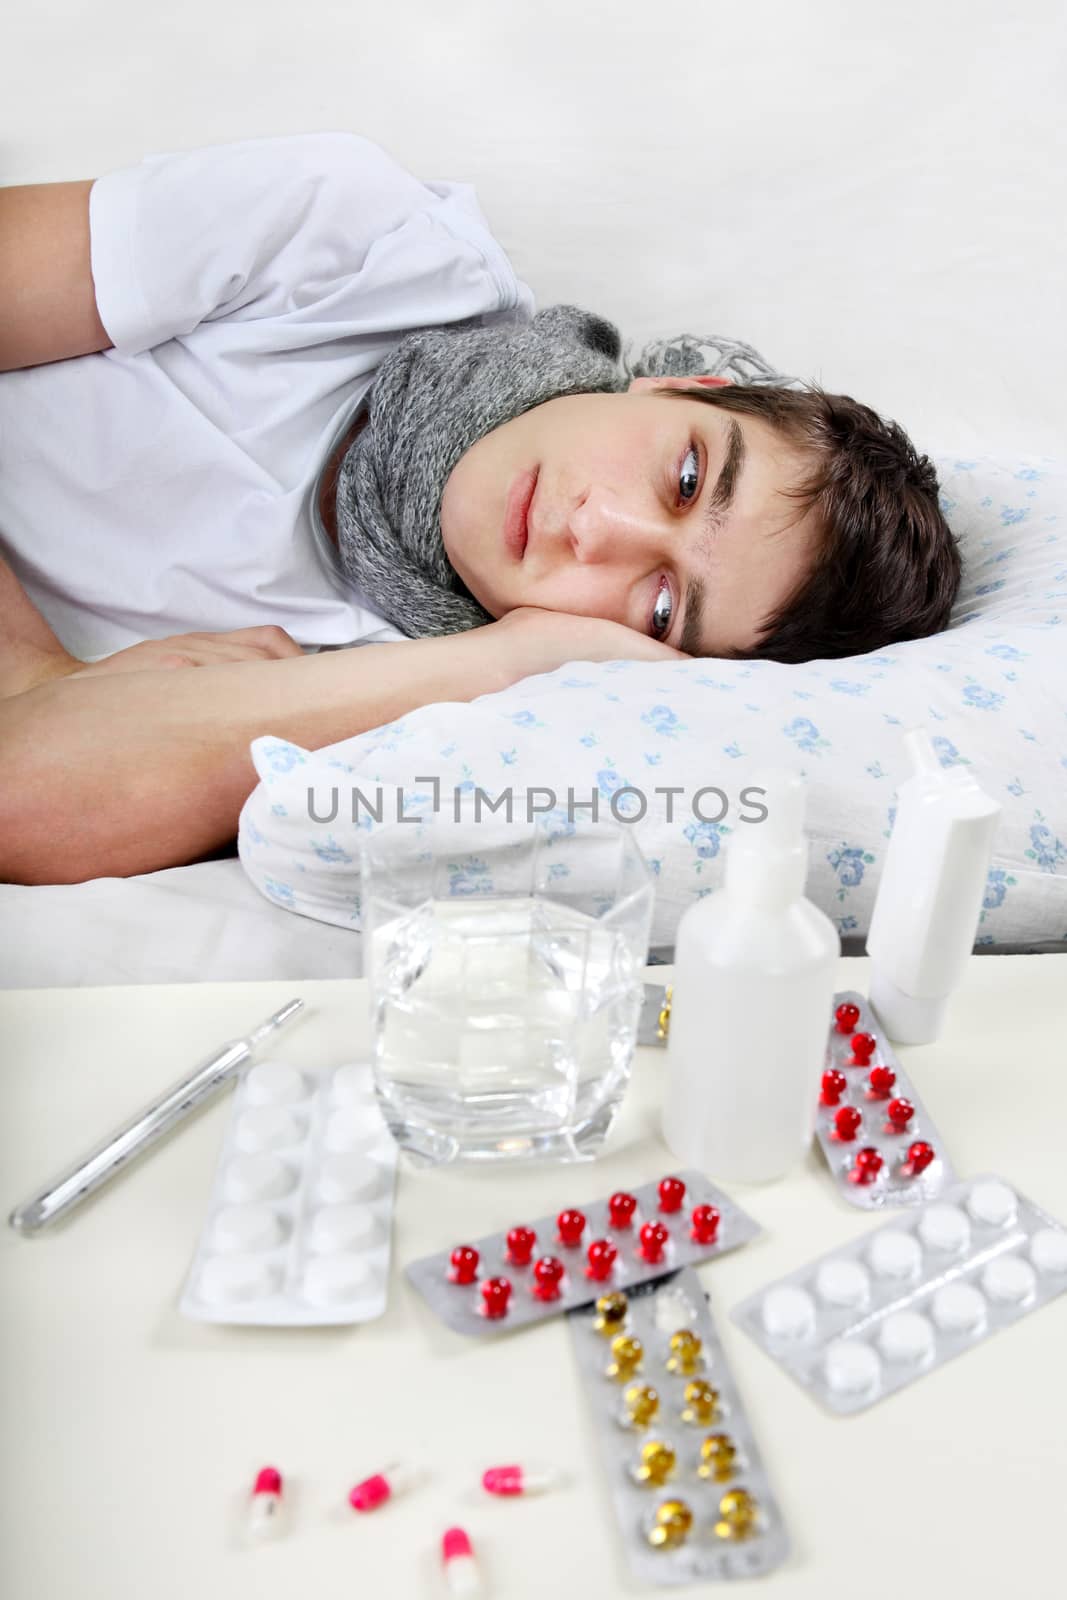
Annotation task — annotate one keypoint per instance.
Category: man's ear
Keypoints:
(637, 385)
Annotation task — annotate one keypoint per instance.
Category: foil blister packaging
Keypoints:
(872, 1127)
(300, 1217)
(530, 1271)
(864, 1320)
(691, 1496)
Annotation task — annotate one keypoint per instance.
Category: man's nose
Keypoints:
(604, 528)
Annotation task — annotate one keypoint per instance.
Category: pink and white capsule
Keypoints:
(463, 1577)
(266, 1503)
(382, 1486)
(519, 1480)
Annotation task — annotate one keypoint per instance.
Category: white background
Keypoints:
(872, 196)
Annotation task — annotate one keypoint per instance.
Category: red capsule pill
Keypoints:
(846, 1017)
(920, 1155)
(847, 1122)
(601, 1256)
(900, 1113)
(881, 1080)
(464, 1259)
(671, 1194)
(867, 1165)
(548, 1275)
(621, 1208)
(863, 1047)
(571, 1225)
(834, 1084)
(496, 1292)
(521, 1242)
(705, 1224)
(654, 1237)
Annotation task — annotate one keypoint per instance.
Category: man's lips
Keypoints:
(516, 512)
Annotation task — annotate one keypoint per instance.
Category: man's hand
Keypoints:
(532, 640)
(193, 650)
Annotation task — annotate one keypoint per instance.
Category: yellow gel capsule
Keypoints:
(717, 1456)
(642, 1403)
(663, 1021)
(685, 1357)
(626, 1357)
(670, 1525)
(611, 1312)
(700, 1402)
(656, 1463)
(738, 1513)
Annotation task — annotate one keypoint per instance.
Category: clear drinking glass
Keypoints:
(504, 960)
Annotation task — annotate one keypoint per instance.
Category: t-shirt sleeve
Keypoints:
(250, 229)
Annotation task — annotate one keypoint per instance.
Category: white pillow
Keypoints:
(991, 689)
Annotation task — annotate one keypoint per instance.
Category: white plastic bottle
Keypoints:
(754, 974)
(926, 911)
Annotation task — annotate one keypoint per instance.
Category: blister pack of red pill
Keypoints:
(300, 1217)
(871, 1125)
(691, 1495)
(535, 1269)
(862, 1321)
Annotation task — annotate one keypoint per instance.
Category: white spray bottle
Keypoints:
(755, 969)
(930, 896)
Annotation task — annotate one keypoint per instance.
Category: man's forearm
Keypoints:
(130, 773)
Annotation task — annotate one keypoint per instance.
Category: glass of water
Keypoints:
(504, 958)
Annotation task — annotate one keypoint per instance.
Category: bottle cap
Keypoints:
(906, 1018)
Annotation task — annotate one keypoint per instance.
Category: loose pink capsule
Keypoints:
(462, 1577)
(266, 1503)
(381, 1486)
(509, 1481)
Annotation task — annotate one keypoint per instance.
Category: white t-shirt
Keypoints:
(251, 291)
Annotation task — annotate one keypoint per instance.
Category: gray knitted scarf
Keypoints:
(441, 391)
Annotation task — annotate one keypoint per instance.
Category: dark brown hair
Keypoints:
(888, 565)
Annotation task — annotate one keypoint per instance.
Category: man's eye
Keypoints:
(692, 478)
(662, 611)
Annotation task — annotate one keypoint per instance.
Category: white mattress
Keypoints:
(873, 199)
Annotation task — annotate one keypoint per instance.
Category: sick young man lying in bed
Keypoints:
(268, 399)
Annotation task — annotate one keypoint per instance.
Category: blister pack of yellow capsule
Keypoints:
(692, 1498)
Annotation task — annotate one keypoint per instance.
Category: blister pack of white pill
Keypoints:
(870, 1317)
(300, 1218)
(872, 1128)
(692, 1499)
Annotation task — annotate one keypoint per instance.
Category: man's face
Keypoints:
(618, 526)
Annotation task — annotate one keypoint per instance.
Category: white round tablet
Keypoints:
(906, 1336)
(842, 1283)
(354, 1084)
(895, 1254)
(269, 1128)
(330, 1280)
(352, 1129)
(246, 1228)
(944, 1228)
(348, 1178)
(343, 1228)
(1048, 1250)
(788, 1313)
(851, 1367)
(234, 1278)
(272, 1083)
(1009, 1280)
(992, 1202)
(958, 1308)
(259, 1177)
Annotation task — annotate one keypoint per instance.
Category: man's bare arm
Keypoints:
(131, 772)
(47, 297)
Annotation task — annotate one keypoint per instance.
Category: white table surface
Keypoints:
(131, 1436)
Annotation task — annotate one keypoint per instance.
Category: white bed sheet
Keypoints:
(874, 199)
